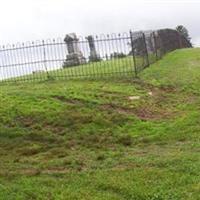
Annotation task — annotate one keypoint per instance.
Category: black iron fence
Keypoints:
(93, 56)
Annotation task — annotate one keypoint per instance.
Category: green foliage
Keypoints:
(183, 31)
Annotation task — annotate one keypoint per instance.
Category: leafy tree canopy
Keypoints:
(183, 31)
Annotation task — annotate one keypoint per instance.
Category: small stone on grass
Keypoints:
(150, 93)
(134, 97)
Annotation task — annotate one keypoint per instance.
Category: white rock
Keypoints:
(134, 97)
(150, 93)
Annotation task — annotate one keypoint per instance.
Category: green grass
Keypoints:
(104, 69)
(90, 139)
(113, 67)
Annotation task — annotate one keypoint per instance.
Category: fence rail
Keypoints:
(94, 56)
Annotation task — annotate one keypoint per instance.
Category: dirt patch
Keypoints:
(149, 86)
(26, 121)
(30, 172)
(144, 113)
(69, 101)
(150, 114)
(29, 151)
(111, 94)
(168, 89)
(125, 140)
(74, 101)
(116, 108)
(36, 172)
(55, 170)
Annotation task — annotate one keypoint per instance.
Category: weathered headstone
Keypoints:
(143, 42)
(150, 43)
(75, 56)
(94, 56)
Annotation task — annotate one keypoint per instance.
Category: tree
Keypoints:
(183, 31)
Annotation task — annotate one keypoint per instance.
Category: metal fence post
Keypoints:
(133, 53)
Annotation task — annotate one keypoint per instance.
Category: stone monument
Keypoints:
(94, 56)
(75, 56)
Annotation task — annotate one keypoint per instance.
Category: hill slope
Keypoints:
(116, 139)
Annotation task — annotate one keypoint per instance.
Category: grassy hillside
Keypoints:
(106, 139)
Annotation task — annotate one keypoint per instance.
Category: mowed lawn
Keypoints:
(133, 139)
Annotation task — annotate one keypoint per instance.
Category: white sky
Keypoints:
(23, 20)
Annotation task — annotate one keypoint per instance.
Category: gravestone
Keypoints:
(75, 56)
(138, 44)
(94, 56)
(143, 42)
(150, 43)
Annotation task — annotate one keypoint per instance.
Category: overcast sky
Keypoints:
(23, 20)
